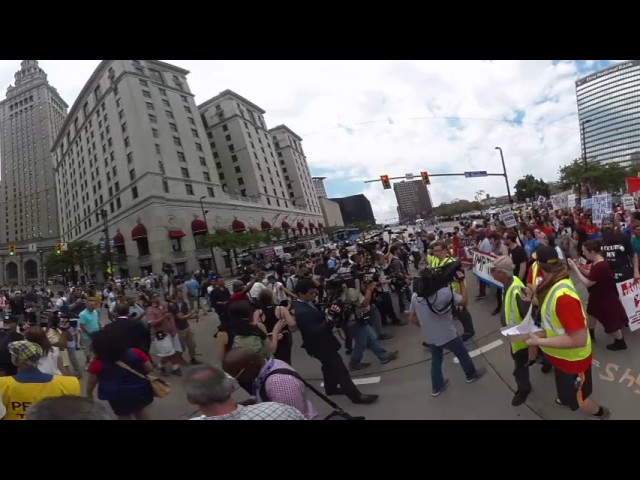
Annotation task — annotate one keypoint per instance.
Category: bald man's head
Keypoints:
(243, 364)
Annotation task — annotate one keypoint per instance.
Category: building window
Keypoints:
(129, 157)
(203, 162)
(162, 91)
(153, 119)
(157, 148)
(185, 172)
(132, 174)
(146, 93)
(156, 76)
(206, 176)
(149, 105)
(176, 244)
(177, 142)
(165, 102)
(172, 127)
(161, 167)
(141, 72)
(198, 147)
(127, 142)
(118, 204)
(155, 132)
(234, 158)
(181, 157)
(134, 192)
(165, 186)
(194, 132)
(189, 188)
(237, 169)
(124, 127)
(169, 114)
(225, 128)
(240, 181)
(187, 109)
(210, 191)
(227, 138)
(190, 119)
(232, 149)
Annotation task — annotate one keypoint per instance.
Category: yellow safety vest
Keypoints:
(534, 271)
(511, 312)
(437, 263)
(553, 327)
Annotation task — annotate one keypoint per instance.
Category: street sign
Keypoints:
(482, 173)
(33, 248)
(408, 176)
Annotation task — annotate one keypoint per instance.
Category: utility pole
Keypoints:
(587, 180)
(107, 243)
(506, 178)
(204, 218)
(43, 270)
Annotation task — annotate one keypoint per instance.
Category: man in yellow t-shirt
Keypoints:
(30, 385)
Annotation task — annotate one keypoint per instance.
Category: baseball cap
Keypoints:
(503, 263)
(25, 351)
(546, 254)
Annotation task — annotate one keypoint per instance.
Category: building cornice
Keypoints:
(229, 93)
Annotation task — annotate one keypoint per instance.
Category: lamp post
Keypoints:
(107, 243)
(587, 182)
(204, 218)
(506, 178)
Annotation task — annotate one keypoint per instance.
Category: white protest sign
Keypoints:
(482, 263)
(601, 206)
(629, 293)
(541, 200)
(507, 216)
(571, 200)
(628, 203)
(587, 203)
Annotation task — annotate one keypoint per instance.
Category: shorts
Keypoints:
(87, 344)
(168, 346)
(573, 388)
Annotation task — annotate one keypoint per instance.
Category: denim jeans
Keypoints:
(456, 346)
(365, 337)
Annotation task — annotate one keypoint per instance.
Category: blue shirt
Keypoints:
(193, 286)
(91, 320)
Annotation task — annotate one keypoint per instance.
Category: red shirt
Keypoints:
(571, 316)
(236, 297)
(95, 367)
(530, 279)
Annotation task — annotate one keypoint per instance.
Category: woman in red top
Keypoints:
(604, 304)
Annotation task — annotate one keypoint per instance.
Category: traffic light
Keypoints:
(12, 250)
(58, 248)
(386, 184)
(425, 178)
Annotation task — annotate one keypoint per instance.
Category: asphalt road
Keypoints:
(404, 385)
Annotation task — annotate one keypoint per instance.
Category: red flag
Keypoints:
(633, 184)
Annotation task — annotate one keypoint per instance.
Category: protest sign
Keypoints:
(628, 203)
(506, 215)
(571, 201)
(629, 293)
(601, 206)
(482, 263)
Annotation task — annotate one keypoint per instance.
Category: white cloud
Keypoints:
(362, 119)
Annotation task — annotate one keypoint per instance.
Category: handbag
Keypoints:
(159, 387)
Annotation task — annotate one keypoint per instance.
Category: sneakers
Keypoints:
(479, 373)
(467, 336)
(519, 398)
(436, 392)
(391, 356)
(359, 366)
(617, 345)
(606, 413)
(480, 297)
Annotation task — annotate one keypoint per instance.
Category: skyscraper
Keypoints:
(318, 185)
(31, 116)
(413, 200)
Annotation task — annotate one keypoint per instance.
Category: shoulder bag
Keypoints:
(160, 388)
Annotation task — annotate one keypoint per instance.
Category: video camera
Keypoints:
(433, 279)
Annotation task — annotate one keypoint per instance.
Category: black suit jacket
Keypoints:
(317, 334)
(134, 331)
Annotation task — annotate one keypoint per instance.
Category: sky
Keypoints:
(363, 119)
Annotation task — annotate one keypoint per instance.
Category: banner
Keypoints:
(628, 202)
(629, 292)
(506, 215)
(633, 184)
(482, 263)
(586, 203)
(571, 201)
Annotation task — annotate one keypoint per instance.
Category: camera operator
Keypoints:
(440, 258)
(383, 299)
(431, 309)
(363, 334)
(398, 274)
(316, 327)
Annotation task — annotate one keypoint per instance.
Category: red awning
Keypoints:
(285, 225)
(118, 240)
(312, 225)
(222, 231)
(199, 226)
(175, 234)
(264, 225)
(300, 225)
(238, 226)
(139, 232)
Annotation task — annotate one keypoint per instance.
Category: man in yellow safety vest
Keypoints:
(567, 344)
(514, 309)
(440, 257)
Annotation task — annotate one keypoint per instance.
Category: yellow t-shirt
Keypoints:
(17, 397)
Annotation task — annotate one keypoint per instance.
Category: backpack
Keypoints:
(252, 343)
(65, 306)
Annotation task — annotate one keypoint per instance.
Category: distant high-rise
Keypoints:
(413, 199)
(31, 116)
(318, 185)
(355, 209)
(608, 112)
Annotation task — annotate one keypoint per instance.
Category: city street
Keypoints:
(404, 385)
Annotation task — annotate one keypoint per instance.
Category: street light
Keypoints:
(587, 182)
(506, 178)
(206, 224)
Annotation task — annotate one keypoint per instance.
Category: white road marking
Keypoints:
(595, 363)
(480, 350)
(362, 381)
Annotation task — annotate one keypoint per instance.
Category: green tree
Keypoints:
(276, 233)
(456, 207)
(81, 254)
(530, 187)
(604, 177)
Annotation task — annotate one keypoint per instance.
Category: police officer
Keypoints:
(440, 257)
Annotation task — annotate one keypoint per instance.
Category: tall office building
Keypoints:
(31, 116)
(414, 200)
(609, 114)
(244, 155)
(355, 209)
(131, 151)
(295, 168)
(318, 185)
